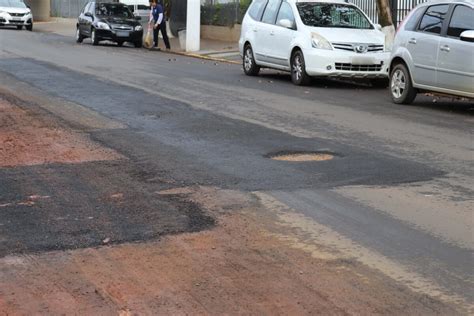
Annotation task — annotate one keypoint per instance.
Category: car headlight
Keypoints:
(138, 28)
(103, 26)
(317, 41)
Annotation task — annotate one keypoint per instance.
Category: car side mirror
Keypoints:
(378, 27)
(286, 23)
(88, 14)
(467, 36)
(138, 18)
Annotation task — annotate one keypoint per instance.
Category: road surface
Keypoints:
(396, 197)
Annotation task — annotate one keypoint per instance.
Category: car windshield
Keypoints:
(332, 15)
(12, 4)
(116, 10)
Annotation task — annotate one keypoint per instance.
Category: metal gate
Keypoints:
(400, 8)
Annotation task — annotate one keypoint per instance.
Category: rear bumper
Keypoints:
(113, 35)
(334, 63)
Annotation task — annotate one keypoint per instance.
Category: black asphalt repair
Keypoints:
(81, 205)
(194, 146)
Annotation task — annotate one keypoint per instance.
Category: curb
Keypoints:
(199, 56)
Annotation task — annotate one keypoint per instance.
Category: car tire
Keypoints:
(401, 86)
(138, 44)
(120, 43)
(79, 37)
(19, 27)
(30, 27)
(380, 83)
(94, 39)
(248, 62)
(298, 69)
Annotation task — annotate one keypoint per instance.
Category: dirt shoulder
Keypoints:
(239, 267)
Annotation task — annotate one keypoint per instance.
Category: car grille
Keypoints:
(121, 27)
(17, 14)
(352, 67)
(371, 48)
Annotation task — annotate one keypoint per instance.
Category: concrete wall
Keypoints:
(41, 9)
(221, 33)
(67, 8)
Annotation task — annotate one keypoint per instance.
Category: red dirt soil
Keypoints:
(28, 138)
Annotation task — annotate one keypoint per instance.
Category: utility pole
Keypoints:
(385, 20)
(193, 25)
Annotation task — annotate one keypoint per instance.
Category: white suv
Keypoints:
(15, 13)
(313, 38)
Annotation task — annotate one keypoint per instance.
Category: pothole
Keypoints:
(301, 156)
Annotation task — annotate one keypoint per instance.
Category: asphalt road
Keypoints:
(400, 186)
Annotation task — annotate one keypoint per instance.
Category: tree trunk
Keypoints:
(385, 13)
(385, 20)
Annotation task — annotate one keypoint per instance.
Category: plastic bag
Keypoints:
(149, 38)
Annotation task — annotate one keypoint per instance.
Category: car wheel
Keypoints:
(401, 87)
(19, 27)
(379, 83)
(120, 43)
(298, 70)
(138, 44)
(248, 62)
(79, 37)
(30, 27)
(94, 39)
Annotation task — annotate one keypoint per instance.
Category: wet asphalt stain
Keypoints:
(193, 146)
(57, 207)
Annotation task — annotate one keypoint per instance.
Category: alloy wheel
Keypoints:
(297, 68)
(398, 83)
(248, 59)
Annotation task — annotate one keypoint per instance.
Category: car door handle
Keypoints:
(445, 48)
(255, 30)
(272, 33)
(412, 41)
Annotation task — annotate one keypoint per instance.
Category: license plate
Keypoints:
(360, 60)
(122, 34)
(16, 19)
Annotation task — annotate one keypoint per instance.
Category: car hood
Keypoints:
(344, 35)
(15, 10)
(118, 20)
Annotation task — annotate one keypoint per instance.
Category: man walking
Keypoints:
(157, 18)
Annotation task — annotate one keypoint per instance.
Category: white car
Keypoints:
(15, 13)
(313, 38)
(434, 51)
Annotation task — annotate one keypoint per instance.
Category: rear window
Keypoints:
(413, 19)
(433, 19)
(256, 9)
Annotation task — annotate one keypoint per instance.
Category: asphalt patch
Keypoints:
(69, 206)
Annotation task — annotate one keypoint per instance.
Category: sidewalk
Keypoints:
(210, 49)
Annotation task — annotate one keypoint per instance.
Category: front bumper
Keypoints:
(342, 64)
(116, 35)
(8, 20)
